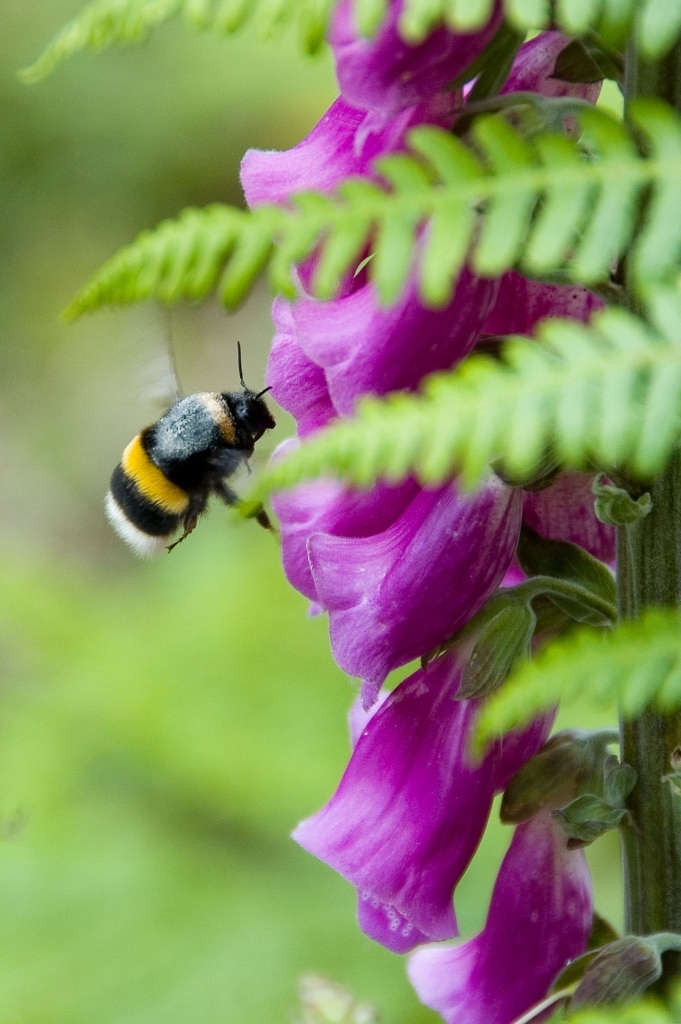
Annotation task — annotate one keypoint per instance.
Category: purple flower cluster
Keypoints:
(400, 568)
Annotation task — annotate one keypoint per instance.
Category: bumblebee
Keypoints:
(171, 468)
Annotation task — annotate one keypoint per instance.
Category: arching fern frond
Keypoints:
(655, 24)
(603, 395)
(545, 206)
(638, 664)
(105, 23)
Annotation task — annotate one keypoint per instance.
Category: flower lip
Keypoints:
(411, 807)
(539, 919)
(432, 569)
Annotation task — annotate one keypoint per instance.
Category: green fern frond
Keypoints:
(638, 664)
(105, 23)
(655, 24)
(545, 208)
(606, 394)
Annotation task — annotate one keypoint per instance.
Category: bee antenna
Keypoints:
(241, 369)
(264, 391)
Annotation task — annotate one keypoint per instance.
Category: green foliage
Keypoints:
(608, 393)
(547, 209)
(644, 1011)
(639, 663)
(102, 23)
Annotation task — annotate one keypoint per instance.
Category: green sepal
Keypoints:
(587, 818)
(505, 639)
(583, 61)
(620, 971)
(618, 780)
(592, 814)
(569, 762)
(616, 507)
(561, 560)
(673, 780)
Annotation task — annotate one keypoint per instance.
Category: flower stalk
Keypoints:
(649, 575)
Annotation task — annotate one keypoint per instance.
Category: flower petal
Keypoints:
(565, 511)
(385, 73)
(539, 919)
(431, 569)
(298, 385)
(522, 303)
(328, 507)
(533, 69)
(343, 143)
(411, 807)
(366, 348)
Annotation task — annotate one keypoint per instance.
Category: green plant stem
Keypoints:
(649, 574)
(649, 569)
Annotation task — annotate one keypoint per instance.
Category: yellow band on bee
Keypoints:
(151, 481)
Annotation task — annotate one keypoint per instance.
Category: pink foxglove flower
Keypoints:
(387, 74)
(565, 511)
(539, 919)
(412, 806)
(394, 595)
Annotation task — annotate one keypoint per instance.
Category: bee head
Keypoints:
(251, 416)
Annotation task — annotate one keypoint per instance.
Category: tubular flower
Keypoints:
(565, 511)
(432, 568)
(327, 508)
(539, 919)
(403, 828)
(397, 346)
(345, 142)
(387, 74)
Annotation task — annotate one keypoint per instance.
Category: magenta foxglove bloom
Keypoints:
(327, 507)
(397, 570)
(345, 142)
(386, 74)
(297, 384)
(539, 919)
(432, 568)
(522, 303)
(397, 346)
(401, 567)
(533, 71)
(565, 511)
(411, 807)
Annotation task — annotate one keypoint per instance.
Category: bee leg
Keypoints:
(249, 509)
(190, 522)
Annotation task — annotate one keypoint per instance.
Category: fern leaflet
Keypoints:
(185, 258)
(549, 394)
(638, 664)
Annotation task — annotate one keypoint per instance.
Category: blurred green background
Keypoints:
(162, 725)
